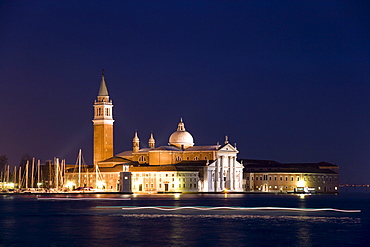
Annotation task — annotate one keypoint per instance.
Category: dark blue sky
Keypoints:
(286, 80)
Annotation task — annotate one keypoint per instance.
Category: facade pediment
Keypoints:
(228, 148)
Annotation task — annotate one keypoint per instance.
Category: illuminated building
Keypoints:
(272, 176)
(179, 166)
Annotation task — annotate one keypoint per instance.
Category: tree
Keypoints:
(25, 158)
(3, 162)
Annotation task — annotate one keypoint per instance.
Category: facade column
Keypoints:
(222, 173)
(234, 173)
(216, 175)
(231, 177)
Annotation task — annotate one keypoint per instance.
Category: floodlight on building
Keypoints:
(301, 183)
(100, 184)
(69, 184)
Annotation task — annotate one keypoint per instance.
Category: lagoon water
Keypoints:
(99, 220)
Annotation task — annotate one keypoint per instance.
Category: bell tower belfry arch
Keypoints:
(103, 124)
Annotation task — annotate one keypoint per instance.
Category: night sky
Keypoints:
(286, 80)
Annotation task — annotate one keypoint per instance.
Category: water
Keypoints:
(27, 221)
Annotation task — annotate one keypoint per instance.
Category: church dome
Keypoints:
(181, 138)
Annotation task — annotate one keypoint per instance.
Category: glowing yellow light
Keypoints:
(176, 195)
(69, 184)
(301, 184)
(100, 184)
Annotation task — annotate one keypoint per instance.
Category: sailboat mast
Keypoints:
(79, 167)
(15, 175)
(32, 173)
(27, 174)
(38, 173)
(8, 176)
(20, 178)
(56, 161)
(96, 175)
(6, 179)
(63, 172)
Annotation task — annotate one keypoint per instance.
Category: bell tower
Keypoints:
(103, 124)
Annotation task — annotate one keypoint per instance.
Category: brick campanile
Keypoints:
(103, 124)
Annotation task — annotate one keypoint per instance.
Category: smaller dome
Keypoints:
(181, 138)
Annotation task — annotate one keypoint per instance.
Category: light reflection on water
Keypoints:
(27, 221)
(271, 218)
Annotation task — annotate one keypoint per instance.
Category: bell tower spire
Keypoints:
(151, 141)
(135, 143)
(103, 124)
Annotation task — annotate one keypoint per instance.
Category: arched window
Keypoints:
(142, 159)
